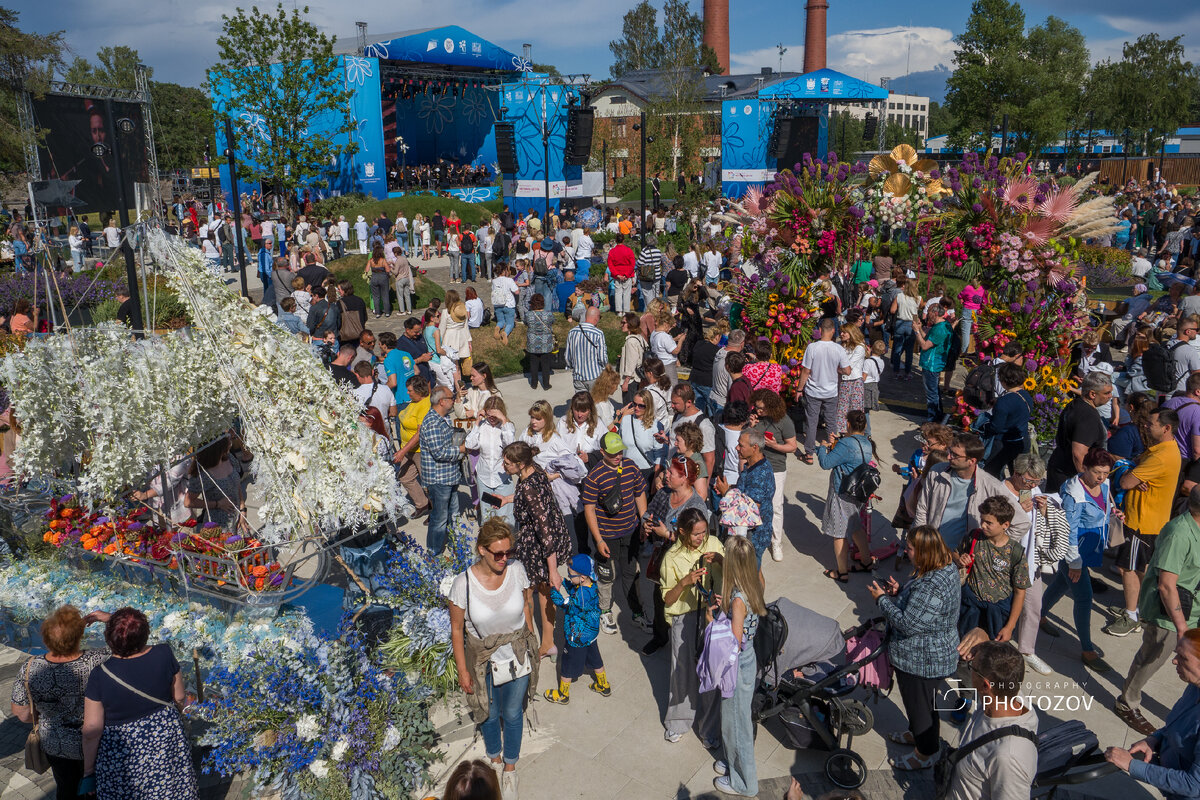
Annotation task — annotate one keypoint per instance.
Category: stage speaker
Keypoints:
(506, 148)
(793, 137)
(579, 137)
(870, 128)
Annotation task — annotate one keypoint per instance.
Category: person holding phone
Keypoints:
(642, 434)
(489, 436)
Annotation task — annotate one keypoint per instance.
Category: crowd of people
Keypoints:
(680, 479)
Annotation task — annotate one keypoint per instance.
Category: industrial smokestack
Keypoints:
(814, 35)
(716, 30)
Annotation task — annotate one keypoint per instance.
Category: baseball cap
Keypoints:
(582, 563)
(612, 443)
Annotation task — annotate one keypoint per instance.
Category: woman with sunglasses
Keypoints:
(492, 631)
(690, 570)
(544, 542)
(662, 518)
(640, 431)
(1088, 503)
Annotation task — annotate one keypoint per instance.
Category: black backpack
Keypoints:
(979, 388)
(1158, 364)
(541, 266)
(863, 481)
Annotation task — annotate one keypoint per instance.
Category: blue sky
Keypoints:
(867, 38)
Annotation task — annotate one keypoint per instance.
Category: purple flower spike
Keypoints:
(101, 520)
(136, 526)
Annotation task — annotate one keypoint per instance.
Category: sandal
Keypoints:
(805, 457)
(902, 737)
(840, 577)
(910, 762)
(859, 566)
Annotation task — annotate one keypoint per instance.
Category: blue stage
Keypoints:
(747, 124)
(468, 194)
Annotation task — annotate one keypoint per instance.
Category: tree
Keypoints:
(639, 46)
(1150, 91)
(1050, 90)
(117, 67)
(987, 69)
(846, 135)
(941, 121)
(27, 61)
(183, 125)
(278, 97)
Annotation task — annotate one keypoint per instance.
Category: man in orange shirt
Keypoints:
(1150, 490)
(625, 226)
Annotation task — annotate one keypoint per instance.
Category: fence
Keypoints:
(1184, 171)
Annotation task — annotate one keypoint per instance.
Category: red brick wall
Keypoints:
(716, 30)
(814, 35)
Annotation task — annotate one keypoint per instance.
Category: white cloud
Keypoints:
(1188, 25)
(868, 54)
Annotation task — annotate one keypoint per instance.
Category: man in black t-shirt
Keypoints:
(340, 368)
(313, 274)
(1080, 428)
(438, 226)
(125, 310)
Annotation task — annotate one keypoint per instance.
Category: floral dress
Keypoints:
(851, 394)
(57, 690)
(541, 529)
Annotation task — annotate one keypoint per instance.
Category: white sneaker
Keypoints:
(1037, 665)
(607, 623)
(720, 767)
(508, 785)
(777, 552)
(672, 737)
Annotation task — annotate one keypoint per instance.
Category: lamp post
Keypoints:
(604, 166)
(231, 160)
(641, 126)
(100, 150)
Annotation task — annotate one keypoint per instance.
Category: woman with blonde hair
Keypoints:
(904, 309)
(455, 333)
(602, 390)
(741, 601)
(76, 244)
(580, 427)
(641, 433)
(851, 387)
(659, 385)
(923, 643)
(542, 435)
(665, 347)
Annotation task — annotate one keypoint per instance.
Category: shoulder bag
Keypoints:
(35, 756)
(138, 692)
(351, 326)
(503, 671)
(943, 770)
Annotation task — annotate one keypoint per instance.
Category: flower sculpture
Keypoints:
(901, 166)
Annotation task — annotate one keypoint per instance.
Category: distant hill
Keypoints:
(931, 83)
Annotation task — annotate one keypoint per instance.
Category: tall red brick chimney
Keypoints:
(716, 30)
(814, 35)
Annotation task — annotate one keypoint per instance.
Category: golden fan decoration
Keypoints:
(898, 183)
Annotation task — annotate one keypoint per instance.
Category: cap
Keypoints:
(613, 444)
(582, 563)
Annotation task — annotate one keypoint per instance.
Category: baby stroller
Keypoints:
(804, 679)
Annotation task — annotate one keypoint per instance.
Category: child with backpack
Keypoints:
(997, 573)
(581, 627)
(873, 369)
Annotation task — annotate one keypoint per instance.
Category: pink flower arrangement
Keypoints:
(956, 251)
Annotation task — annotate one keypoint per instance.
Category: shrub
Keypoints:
(334, 207)
(1105, 266)
(106, 311)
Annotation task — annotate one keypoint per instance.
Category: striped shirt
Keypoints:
(599, 482)
(587, 352)
(653, 256)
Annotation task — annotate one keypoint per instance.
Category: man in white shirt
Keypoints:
(986, 765)
(1141, 265)
(825, 361)
(112, 235)
(585, 246)
(712, 265)
(371, 391)
(343, 229)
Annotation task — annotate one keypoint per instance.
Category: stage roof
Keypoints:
(826, 85)
(446, 46)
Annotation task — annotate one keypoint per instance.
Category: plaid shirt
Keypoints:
(439, 456)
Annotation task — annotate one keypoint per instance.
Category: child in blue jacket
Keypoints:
(581, 627)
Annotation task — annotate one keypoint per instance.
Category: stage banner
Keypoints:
(745, 132)
(451, 125)
(533, 102)
(364, 171)
(468, 194)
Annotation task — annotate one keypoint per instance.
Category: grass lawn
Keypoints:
(474, 213)
(667, 192)
(503, 359)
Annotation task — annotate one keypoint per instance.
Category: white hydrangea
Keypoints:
(339, 750)
(391, 738)
(445, 585)
(319, 768)
(308, 727)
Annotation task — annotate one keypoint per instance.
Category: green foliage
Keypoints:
(625, 185)
(941, 121)
(1118, 90)
(474, 213)
(986, 67)
(105, 311)
(168, 311)
(333, 207)
(27, 60)
(639, 46)
(183, 125)
(290, 153)
(1105, 266)
(117, 67)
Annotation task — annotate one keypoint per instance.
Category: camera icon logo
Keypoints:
(955, 697)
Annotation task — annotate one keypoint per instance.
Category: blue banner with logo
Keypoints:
(745, 133)
(468, 194)
(532, 102)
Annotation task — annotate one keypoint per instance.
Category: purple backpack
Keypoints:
(718, 662)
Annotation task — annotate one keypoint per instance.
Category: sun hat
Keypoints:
(361, 218)
(458, 312)
(613, 444)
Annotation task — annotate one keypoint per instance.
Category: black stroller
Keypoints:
(810, 694)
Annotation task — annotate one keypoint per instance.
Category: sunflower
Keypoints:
(1030, 384)
(1046, 372)
(1051, 381)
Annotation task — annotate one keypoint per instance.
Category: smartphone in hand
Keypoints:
(491, 499)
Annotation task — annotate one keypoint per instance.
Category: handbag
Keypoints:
(503, 670)
(35, 756)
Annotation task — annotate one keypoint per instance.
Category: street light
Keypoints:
(645, 141)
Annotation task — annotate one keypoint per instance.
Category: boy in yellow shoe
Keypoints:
(581, 627)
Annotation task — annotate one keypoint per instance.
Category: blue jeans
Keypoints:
(402, 238)
(978, 613)
(77, 256)
(542, 286)
(964, 325)
(506, 318)
(443, 500)
(933, 395)
(737, 729)
(1081, 593)
(506, 719)
(902, 342)
(702, 401)
(468, 266)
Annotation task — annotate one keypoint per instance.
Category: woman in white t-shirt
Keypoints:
(904, 308)
(504, 301)
(666, 347)
(493, 598)
(691, 261)
(580, 428)
(454, 250)
(850, 388)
